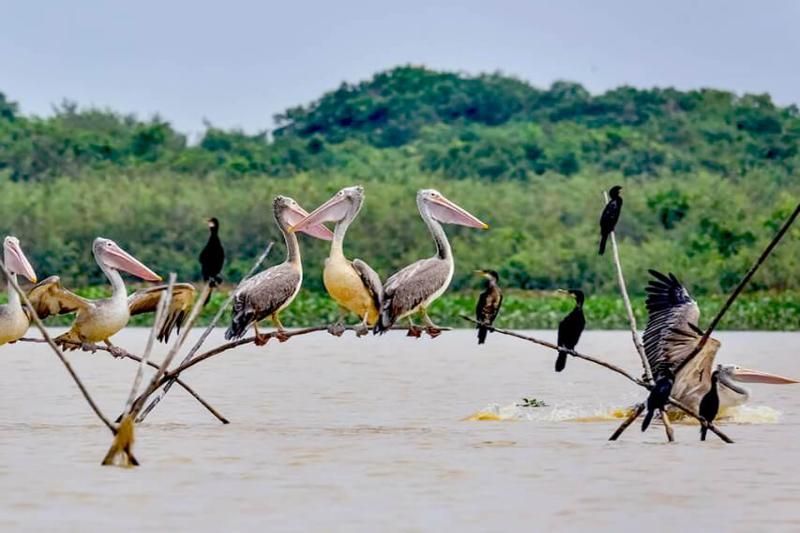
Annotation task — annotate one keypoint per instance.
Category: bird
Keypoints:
(14, 319)
(98, 320)
(489, 303)
(709, 405)
(672, 335)
(659, 395)
(570, 329)
(610, 216)
(354, 285)
(416, 286)
(212, 258)
(271, 291)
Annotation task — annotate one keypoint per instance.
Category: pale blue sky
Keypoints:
(238, 62)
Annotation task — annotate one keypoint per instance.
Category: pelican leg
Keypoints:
(430, 328)
(413, 331)
(115, 351)
(280, 333)
(362, 329)
(261, 340)
(337, 328)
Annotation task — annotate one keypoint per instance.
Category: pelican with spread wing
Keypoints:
(672, 335)
(99, 320)
(14, 320)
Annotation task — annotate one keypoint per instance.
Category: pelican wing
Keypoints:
(694, 379)
(371, 280)
(669, 306)
(265, 294)
(146, 301)
(410, 287)
(50, 298)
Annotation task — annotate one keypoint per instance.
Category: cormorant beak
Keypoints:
(15, 259)
(449, 212)
(483, 273)
(333, 210)
(747, 375)
(296, 214)
(117, 258)
(562, 292)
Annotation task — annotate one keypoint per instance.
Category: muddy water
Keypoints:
(370, 434)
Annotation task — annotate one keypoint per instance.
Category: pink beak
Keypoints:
(295, 215)
(448, 212)
(15, 259)
(333, 210)
(116, 257)
(747, 375)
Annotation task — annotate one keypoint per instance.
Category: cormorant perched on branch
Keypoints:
(570, 329)
(212, 257)
(610, 216)
(659, 395)
(489, 303)
(709, 405)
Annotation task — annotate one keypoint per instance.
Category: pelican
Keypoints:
(671, 336)
(354, 285)
(268, 293)
(99, 320)
(14, 320)
(415, 287)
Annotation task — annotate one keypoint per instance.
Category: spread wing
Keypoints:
(146, 301)
(669, 307)
(371, 281)
(693, 380)
(410, 287)
(50, 298)
(266, 292)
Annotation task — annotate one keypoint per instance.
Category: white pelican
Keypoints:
(269, 292)
(416, 286)
(14, 320)
(98, 320)
(671, 336)
(354, 285)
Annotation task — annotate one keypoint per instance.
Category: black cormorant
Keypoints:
(570, 329)
(709, 405)
(212, 257)
(489, 303)
(659, 395)
(610, 216)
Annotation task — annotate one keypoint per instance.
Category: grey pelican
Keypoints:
(415, 287)
(14, 320)
(269, 292)
(671, 336)
(354, 285)
(98, 320)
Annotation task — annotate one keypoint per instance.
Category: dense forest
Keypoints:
(708, 176)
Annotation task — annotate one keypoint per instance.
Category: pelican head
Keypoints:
(434, 203)
(345, 204)
(15, 259)
(288, 214)
(729, 373)
(109, 254)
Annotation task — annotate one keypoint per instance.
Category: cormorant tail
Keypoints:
(703, 431)
(647, 418)
(603, 239)
(482, 332)
(561, 360)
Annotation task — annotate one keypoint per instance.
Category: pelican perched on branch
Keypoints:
(672, 335)
(14, 319)
(354, 285)
(269, 292)
(416, 286)
(99, 320)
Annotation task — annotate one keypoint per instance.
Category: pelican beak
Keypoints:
(16, 261)
(118, 258)
(450, 213)
(333, 210)
(296, 214)
(747, 375)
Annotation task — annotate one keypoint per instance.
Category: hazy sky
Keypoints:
(238, 62)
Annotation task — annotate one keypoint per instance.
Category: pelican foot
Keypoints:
(433, 332)
(261, 340)
(361, 330)
(281, 336)
(85, 346)
(336, 329)
(414, 331)
(117, 352)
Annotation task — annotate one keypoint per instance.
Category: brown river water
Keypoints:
(374, 434)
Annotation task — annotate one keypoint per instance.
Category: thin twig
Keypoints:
(38, 323)
(628, 421)
(767, 251)
(155, 401)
